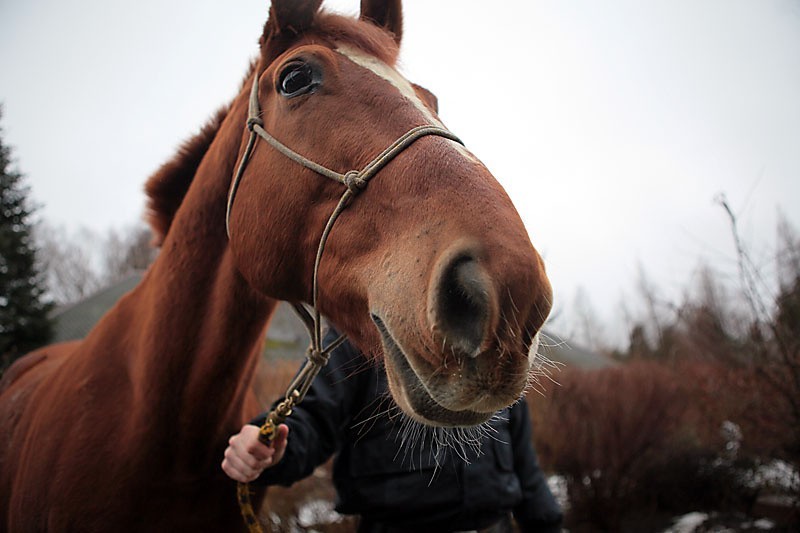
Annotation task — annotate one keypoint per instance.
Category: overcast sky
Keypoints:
(613, 125)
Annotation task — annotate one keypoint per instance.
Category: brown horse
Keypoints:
(430, 268)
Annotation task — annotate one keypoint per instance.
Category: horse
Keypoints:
(428, 269)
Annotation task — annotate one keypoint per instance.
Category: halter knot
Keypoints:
(318, 357)
(252, 121)
(355, 182)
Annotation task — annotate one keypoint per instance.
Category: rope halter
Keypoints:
(354, 181)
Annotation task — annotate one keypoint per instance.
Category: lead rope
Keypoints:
(316, 356)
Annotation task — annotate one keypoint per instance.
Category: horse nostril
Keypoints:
(461, 305)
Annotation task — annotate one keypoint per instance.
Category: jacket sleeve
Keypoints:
(538, 512)
(317, 426)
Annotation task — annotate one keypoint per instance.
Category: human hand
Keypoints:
(246, 457)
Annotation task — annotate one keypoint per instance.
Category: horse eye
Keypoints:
(296, 79)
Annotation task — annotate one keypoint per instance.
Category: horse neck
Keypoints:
(203, 324)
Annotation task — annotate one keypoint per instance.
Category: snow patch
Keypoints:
(687, 523)
(317, 512)
(558, 486)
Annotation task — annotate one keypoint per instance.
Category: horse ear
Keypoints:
(288, 18)
(427, 96)
(387, 14)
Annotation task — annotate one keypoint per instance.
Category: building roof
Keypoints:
(74, 321)
(562, 351)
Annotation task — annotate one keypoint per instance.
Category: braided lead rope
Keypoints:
(316, 356)
(316, 360)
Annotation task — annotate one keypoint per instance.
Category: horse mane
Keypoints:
(166, 188)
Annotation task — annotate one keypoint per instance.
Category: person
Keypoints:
(395, 475)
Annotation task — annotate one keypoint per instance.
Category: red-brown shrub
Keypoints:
(600, 429)
(645, 438)
(716, 392)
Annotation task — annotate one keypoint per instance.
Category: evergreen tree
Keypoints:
(24, 309)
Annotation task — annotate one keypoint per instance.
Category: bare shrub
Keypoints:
(775, 329)
(126, 251)
(68, 261)
(79, 263)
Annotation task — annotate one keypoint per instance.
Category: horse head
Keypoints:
(429, 267)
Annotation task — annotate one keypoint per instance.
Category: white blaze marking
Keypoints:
(381, 69)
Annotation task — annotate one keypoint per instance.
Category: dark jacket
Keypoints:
(390, 470)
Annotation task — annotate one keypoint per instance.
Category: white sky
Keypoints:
(612, 124)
